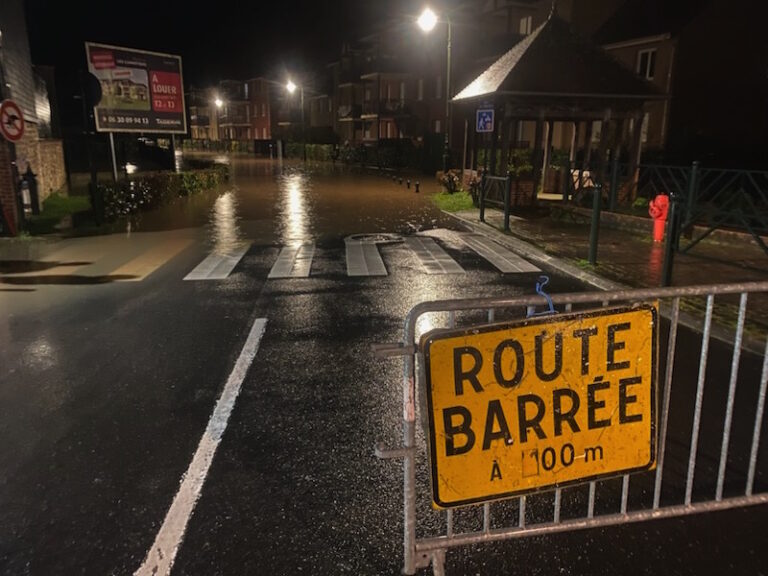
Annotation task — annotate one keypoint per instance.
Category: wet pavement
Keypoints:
(107, 389)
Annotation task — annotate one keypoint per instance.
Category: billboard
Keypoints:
(140, 91)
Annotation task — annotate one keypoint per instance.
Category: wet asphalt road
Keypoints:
(107, 389)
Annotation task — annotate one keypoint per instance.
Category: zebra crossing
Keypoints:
(118, 260)
(219, 265)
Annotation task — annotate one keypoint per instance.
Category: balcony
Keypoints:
(386, 108)
(394, 108)
(385, 66)
(196, 120)
(349, 112)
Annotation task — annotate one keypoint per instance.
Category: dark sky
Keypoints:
(216, 39)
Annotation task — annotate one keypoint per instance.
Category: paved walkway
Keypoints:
(628, 259)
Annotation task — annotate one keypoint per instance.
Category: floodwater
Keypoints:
(301, 203)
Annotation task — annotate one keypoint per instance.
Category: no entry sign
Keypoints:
(516, 408)
(11, 121)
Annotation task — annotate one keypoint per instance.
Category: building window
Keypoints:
(439, 87)
(420, 90)
(402, 91)
(330, 105)
(646, 63)
(437, 126)
(525, 25)
(245, 87)
(264, 133)
(367, 93)
(263, 110)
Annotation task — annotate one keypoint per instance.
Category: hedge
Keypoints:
(148, 192)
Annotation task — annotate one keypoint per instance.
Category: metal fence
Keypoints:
(713, 198)
(502, 192)
(687, 479)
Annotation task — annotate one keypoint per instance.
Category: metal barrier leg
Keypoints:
(409, 468)
(438, 562)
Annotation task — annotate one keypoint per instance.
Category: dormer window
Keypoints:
(646, 63)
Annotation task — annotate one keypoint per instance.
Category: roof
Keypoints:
(647, 18)
(555, 60)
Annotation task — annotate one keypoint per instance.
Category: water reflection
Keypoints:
(40, 354)
(294, 224)
(225, 231)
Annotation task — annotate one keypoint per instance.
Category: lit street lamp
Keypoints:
(291, 87)
(427, 22)
(218, 102)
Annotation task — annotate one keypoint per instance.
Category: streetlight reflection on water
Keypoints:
(225, 232)
(294, 226)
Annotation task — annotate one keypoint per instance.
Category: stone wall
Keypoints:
(7, 191)
(45, 157)
(51, 172)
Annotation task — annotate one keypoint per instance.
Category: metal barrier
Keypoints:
(496, 190)
(733, 485)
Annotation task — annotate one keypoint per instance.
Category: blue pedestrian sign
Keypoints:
(484, 121)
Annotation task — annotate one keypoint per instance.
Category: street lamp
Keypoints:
(218, 102)
(427, 22)
(291, 87)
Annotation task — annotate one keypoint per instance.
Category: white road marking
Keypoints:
(162, 554)
(294, 261)
(434, 259)
(218, 265)
(505, 260)
(363, 258)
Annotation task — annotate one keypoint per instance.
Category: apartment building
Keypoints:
(709, 57)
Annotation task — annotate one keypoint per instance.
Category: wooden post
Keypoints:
(536, 154)
(545, 158)
(464, 151)
(494, 144)
(605, 137)
(635, 150)
(587, 152)
(508, 142)
(574, 141)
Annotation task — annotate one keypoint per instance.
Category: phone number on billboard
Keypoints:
(126, 120)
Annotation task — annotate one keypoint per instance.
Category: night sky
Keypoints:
(216, 40)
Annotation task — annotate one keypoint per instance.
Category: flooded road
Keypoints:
(298, 203)
(211, 404)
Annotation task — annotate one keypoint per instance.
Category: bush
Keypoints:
(640, 203)
(148, 192)
(450, 180)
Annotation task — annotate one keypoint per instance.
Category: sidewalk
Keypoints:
(626, 259)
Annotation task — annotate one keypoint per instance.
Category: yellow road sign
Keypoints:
(515, 408)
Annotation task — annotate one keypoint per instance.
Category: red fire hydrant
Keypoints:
(658, 209)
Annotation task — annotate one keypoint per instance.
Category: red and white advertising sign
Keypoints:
(141, 91)
(11, 121)
(166, 91)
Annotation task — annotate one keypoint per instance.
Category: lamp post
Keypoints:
(218, 102)
(291, 87)
(427, 22)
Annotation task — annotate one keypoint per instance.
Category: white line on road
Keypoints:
(363, 258)
(505, 260)
(218, 265)
(434, 259)
(294, 261)
(161, 555)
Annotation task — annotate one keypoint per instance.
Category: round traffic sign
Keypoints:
(11, 121)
